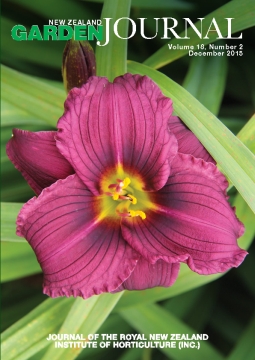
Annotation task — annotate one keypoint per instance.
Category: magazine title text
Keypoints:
(96, 29)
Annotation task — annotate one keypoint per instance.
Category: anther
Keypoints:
(115, 196)
(132, 199)
(126, 182)
(140, 213)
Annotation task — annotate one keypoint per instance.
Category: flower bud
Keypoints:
(78, 64)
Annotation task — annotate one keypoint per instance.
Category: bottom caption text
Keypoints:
(127, 341)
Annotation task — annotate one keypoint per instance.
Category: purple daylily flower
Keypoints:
(125, 193)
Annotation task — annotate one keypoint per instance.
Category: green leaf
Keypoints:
(233, 157)
(62, 9)
(247, 134)
(25, 296)
(240, 11)
(34, 97)
(234, 124)
(111, 58)
(201, 313)
(245, 347)
(29, 334)
(15, 116)
(187, 279)
(14, 187)
(183, 304)
(246, 216)
(76, 316)
(17, 257)
(85, 317)
(132, 354)
(17, 260)
(9, 213)
(152, 319)
(199, 80)
(40, 52)
(160, 4)
(245, 273)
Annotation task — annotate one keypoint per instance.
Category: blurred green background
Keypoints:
(224, 309)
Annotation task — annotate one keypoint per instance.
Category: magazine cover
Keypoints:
(128, 180)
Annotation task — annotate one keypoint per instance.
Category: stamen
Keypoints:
(140, 213)
(112, 186)
(123, 197)
(118, 188)
(115, 196)
(126, 182)
(132, 199)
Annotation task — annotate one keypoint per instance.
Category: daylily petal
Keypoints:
(125, 124)
(36, 156)
(79, 255)
(146, 275)
(188, 143)
(192, 221)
